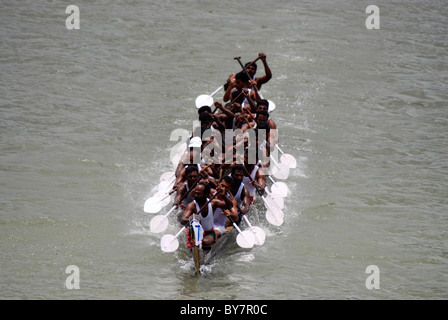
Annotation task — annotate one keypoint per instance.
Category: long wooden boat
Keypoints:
(245, 239)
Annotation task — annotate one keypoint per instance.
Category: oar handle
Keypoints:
(272, 180)
(216, 91)
(247, 221)
(235, 225)
(279, 149)
(180, 231)
(171, 210)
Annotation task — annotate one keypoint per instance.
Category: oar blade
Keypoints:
(274, 216)
(289, 160)
(203, 100)
(175, 160)
(281, 189)
(167, 176)
(245, 239)
(272, 106)
(259, 235)
(281, 171)
(158, 224)
(275, 200)
(169, 243)
(153, 205)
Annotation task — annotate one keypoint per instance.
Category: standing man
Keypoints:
(252, 70)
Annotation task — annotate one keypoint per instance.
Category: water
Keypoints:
(86, 118)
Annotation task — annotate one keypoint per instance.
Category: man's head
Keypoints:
(262, 104)
(201, 191)
(226, 182)
(238, 173)
(251, 68)
(192, 173)
(241, 80)
(262, 116)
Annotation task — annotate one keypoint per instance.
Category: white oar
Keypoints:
(160, 223)
(274, 214)
(169, 243)
(287, 159)
(167, 176)
(279, 188)
(259, 233)
(156, 203)
(206, 99)
(245, 239)
(280, 171)
(275, 199)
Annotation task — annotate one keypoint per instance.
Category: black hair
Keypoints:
(204, 109)
(263, 113)
(206, 187)
(253, 64)
(242, 76)
(238, 167)
(263, 102)
(227, 179)
(190, 169)
(205, 117)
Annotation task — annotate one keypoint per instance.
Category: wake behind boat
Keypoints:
(221, 168)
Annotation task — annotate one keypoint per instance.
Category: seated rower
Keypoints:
(263, 105)
(204, 208)
(238, 189)
(253, 178)
(223, 218)
(183, 195)
(235, 90)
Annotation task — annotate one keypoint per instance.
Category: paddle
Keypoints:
(279, 188)
(245, 239)
(167, 176)
(157, 202)
(280, 171)
(206, 99)
(259, 234)
(286, 158)
(160, 223)
(169, 243)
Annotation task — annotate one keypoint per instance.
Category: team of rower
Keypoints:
(220, 191)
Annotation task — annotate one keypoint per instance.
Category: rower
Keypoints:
(251, 68)
(204, 207)
(253, 179)
(221, 216)
(235, 90)
(238, 190)
(263, 105)
(190, 158)
(183, 195)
